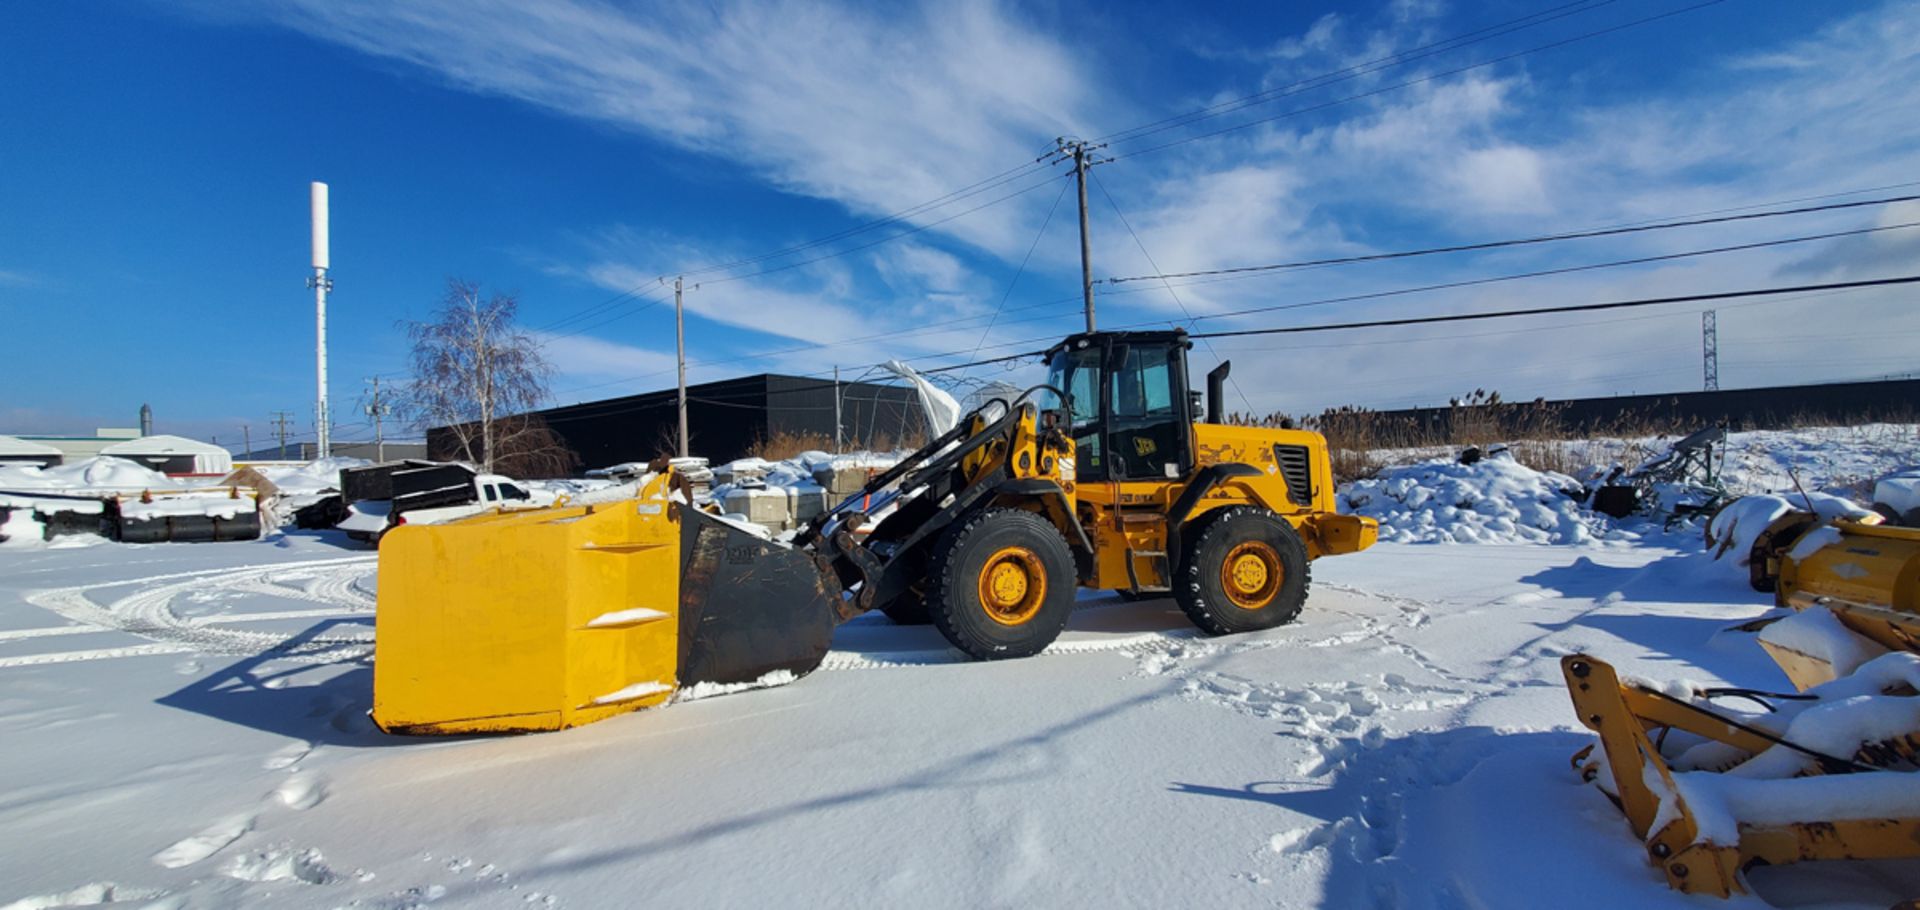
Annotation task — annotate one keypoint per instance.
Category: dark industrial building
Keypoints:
(726, 419)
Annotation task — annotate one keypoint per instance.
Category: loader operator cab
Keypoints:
(1128, 408)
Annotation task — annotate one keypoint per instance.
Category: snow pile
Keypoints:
(1820, 634)
(212, 506)
(20, 524)
(311, 478)
(1732, 531)
(797, 473)
(101, 472)
(701, 690)
(1899, 493)
(1494, 500)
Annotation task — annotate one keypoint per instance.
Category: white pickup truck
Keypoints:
(369, 519)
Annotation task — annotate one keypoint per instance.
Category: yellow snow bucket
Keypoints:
(557, 617)
(527, 621)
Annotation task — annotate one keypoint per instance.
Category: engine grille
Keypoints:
(1296, 466)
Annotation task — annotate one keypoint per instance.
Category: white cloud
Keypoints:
(578, 356)
(1506, 179)
(878, 109)
(913, 268)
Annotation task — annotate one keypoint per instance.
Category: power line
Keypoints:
(1015, 173)
(1576, 308)
(1001, 179)
(956, 324)
(1167, 284)
(1565, 270)
(821, 258)
(1564, 326)
(1483, 281)
(1461, 317)
(1376, 295)
(645, 303)
(1760, 205)
(1022, 270)
(1503, 244)
(891, 237)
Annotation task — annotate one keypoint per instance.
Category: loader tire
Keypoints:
(1003, 584)
(1246, 569)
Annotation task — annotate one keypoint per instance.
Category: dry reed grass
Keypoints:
(1535, 431)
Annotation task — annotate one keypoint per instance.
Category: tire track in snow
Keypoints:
(63, 657)
(881, 659)
(148, 613)
(46, 632)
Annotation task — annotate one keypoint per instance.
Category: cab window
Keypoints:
(1146, 434)
(1078, 373)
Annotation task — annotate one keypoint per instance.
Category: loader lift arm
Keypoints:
(976, 463)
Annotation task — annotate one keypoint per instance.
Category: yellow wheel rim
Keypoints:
(1251, 574)
(1013, 585)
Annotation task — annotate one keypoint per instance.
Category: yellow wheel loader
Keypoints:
(1717, 780)
(1103, 477)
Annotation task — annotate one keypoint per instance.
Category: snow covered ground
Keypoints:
(186, 726)
(1839, 460)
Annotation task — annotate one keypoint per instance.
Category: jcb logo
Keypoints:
(740, 556)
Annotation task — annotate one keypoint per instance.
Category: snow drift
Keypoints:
(1494, 500)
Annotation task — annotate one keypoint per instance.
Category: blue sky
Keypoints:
(155, 160)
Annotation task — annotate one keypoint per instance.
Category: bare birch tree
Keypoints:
(476, 374)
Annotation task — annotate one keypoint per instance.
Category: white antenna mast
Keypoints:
(321, 284)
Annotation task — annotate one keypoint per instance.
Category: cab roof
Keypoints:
(1091, 339)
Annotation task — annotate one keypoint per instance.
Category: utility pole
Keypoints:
(377, 408)
(246, 440)
(280, 430)
(836, 409)
(680, 346)
(1077, 150)
(1710, 349)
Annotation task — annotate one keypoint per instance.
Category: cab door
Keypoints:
(1149, 433)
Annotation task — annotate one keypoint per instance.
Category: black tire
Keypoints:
(1011, 552)
(1259, 542)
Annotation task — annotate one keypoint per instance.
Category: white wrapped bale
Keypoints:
(765, 507)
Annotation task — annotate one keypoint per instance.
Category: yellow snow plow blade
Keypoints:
(1711, 791)
(1867, 576)
(1713, 787)
(557, 617)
